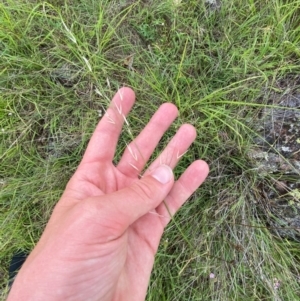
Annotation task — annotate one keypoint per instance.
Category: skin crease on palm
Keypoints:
(101, 239)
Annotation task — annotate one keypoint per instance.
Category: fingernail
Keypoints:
(163, 174)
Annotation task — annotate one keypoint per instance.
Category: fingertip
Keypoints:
(170, 107)
(163, 173)
(190, 130)
(126, 92)
(200, 167)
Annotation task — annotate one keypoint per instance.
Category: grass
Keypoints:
(218, 65)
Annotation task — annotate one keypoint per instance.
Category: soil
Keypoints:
(277, 153)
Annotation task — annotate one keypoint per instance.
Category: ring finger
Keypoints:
(176, 148)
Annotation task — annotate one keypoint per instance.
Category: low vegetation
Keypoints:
(218, 61)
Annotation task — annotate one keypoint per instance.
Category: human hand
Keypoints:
(101, 239)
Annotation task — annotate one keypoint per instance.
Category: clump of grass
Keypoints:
(216, 65)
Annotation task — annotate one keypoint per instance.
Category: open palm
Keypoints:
(102, 237)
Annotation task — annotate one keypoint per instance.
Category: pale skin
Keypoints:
(101, 239)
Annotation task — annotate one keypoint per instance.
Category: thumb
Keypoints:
(129, 204)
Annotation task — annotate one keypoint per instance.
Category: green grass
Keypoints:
(218, 66)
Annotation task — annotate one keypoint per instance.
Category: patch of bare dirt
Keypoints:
(277, 153)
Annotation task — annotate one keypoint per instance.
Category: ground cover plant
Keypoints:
(223, 63)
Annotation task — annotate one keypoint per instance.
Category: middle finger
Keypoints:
(138, 152)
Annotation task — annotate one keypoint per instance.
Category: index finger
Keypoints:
(104, 140)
